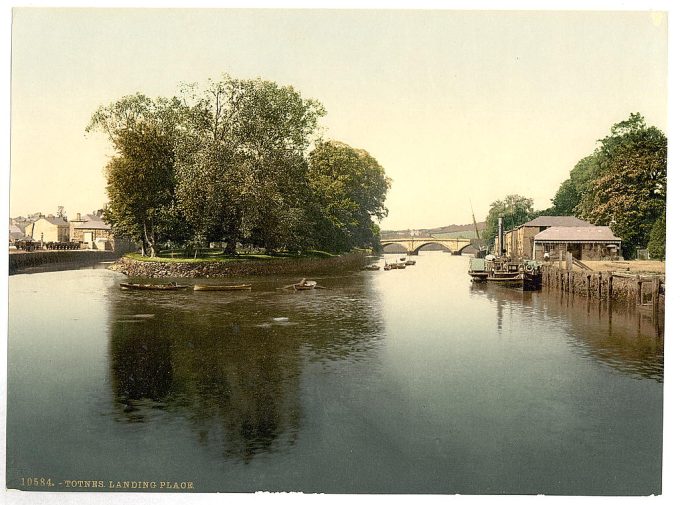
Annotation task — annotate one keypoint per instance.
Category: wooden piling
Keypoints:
(639, 296)
(656, 287)
(599, 285)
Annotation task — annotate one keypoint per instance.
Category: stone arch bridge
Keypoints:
(413, 245)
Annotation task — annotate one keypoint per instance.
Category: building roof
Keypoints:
(557, 221)
(95, 224)
(57, 221)
(577, 234)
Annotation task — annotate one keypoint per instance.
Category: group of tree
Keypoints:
(514, 209)
(239, 162)
(621, 184)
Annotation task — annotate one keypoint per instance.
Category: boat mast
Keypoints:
(474, 221)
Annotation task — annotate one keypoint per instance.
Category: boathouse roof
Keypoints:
(557, 221)
(577, 234)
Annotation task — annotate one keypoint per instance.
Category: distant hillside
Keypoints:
(458, 227)
(450, 231)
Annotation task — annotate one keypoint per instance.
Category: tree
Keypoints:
(348, 189)
(514, 209)
(242, 172)
(140, 179)
(628, 191)
(657, 239)
(573, 190)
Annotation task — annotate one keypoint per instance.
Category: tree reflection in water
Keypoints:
(225, 364)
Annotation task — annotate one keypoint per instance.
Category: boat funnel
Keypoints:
(500, 237)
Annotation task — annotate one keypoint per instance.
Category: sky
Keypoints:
(461, 108)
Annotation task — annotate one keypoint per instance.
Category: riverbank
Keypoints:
(149, 268)
(24, 262)
(643, 290)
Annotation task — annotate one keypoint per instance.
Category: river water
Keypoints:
(408, 381)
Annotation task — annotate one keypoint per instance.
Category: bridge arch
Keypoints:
(403, 248)
(415, 244)
(471, 248)
(417, 249)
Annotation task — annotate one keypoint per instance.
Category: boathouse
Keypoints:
(583, 242)
(519, 242)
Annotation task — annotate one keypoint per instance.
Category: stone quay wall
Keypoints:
(302, 266)
(23, 261)
(630, 289)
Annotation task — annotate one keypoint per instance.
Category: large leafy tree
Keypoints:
(140, 177)
(348, 189)
(242, 172)
(628, 191)
(573, 190)
(657, 239)
(514, 209)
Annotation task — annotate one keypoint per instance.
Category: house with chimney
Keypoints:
(91, 231)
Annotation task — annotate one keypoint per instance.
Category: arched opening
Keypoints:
(433, 246)
(393, 248)
(470, 250)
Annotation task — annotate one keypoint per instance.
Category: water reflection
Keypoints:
(231, 363)
(628, 340)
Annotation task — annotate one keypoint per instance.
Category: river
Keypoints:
(407, 381)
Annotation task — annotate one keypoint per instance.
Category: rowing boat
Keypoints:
(172, 286)
(222, 287)
(304, 285)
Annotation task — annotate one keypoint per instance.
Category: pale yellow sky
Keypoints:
(459, 107)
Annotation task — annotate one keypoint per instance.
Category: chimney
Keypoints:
(500, 236)
(78, 216)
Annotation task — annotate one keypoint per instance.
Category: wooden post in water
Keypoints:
(560, 260)
(570, 281)
(599, 285)
(570, 265)
(639, 297)
(610, 288)
(588, 286)
(656, 287)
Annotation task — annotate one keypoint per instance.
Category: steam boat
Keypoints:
(524, 274)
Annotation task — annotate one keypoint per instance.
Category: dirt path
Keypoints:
(633, 266)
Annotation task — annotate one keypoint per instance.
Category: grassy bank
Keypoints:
(212, 256)
(316, 262)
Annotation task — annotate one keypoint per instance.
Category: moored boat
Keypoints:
(171, 286)
(304, 285)
(222, 287)
(522, 274)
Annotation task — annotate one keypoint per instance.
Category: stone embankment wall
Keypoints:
(630, 289)
(21, 262)
(303, 267)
